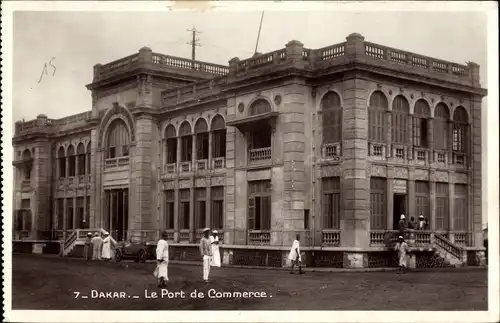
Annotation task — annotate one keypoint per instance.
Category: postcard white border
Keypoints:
(490, 178)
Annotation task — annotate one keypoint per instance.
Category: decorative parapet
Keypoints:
(44, 125)
(354, 49)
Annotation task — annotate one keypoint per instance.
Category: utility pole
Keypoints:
(194, 43)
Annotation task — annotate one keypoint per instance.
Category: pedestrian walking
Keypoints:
(96, 246)
(402, 249)
(214, 243)
(206, 253)
(108, 244)
(295, 255)
(161, 271)
(87, 248)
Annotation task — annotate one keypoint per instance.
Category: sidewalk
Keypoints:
(305, 269)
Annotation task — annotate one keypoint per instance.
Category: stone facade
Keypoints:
(273, 135)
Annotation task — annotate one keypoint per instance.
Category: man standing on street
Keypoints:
(162, 260)
(96, 246)
(87, 249)
(294, 255)
(206, 253)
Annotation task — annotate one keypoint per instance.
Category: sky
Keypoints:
(75, 41)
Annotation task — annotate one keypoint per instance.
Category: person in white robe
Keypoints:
(214, 242)
(161, 271)
(402, 249)
(294, 256)
(421, 223)
(108, 245)
(96, 246)
(206, 253)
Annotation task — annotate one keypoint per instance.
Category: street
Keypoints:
(44, 283)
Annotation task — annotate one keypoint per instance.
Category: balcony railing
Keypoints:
(259, 237)
(116, 162)
(330, 237)
(459, 159)
(26, 184)
(376, 151)
(383, 237)
(201, 164)
(441, 157)
(71, 180)
(332, 151)
(421, 155)
(170, 168)
(219, 162)
(186, 167)
(259, 155)
(184, 235)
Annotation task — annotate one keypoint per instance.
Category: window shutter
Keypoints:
(251, 213)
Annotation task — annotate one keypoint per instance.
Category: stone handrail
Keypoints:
(330, 237)
(448, 246)
(48, 125)
(172, 61)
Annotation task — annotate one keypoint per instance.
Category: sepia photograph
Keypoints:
(248, 158)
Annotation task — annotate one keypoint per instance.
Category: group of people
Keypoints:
(98, 248)
(401, 246)
(209, 250)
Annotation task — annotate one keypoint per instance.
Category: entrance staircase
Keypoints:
(75, 238)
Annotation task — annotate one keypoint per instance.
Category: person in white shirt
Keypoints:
(206, 253)
(162, 260)
(108, 245)
(295, 256)
(96, 246)
(402, 249)
(214, 240)
(421, 223)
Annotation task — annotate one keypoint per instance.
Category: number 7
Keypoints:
(76, 294)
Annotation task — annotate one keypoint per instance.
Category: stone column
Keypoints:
(450, 142)
(432, 204)
(65, 214)
(451, 200)
(208, 205)
(476, 167)
(192, 203)
(77, 171)
(67, 166)
(176, 211)
(409, 137)
(112, 211)
(210, 149)
(411, 197)
(41, 181)
(390, 203)
(430, 138)
(294, 49)
(74, 210)
(194, 158)
(179, 153)
(388, 134)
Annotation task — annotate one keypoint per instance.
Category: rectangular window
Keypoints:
(219, 143)
(88, 163)
(306, 219)
(202, 146)
(87, 212)
(442, 207)
(376, 127)
(259, 205)
(201, 208)
(420, 132)
(217, 215)
(171, 150)
(331, 202)
(112, 152)
(184, 200)
(79, 212)
(69, 214)
(422, 199)
(440, 134)
(187, 148)
(461, 207)
(378, 202)
(169, 209)
(125, 150)
(81, 164)
(60, 214)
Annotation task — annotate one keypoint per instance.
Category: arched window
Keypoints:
(400, 114)
(171, 141)
(186, 142)
(441, 119)
(71, 161)
(26, 156)
(421, 115)
(80, 151)
(118, 140)
(218, 128)
(332, 118)
(260, 106)
(376, 117)
(89, 157)
(61, 160)
(201, 131)
(460, 130)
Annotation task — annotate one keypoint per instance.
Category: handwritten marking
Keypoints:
(45, 69)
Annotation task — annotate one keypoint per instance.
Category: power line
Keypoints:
(258, 35)
(194, 42)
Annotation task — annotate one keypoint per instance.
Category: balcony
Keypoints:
(441, 157)
(376, 151)
(259, 237)
(459, 159)
(26, 185)
(330, 237)
(185, 167)
(116, 162)
(259, 156)
(201, 164)
(219, 163)
(421, 156)
(331, 151)
(170, 168)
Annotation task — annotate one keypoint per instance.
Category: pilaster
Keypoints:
(390, 202)
(432, 202)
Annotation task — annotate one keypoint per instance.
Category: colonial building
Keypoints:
(332, 143)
